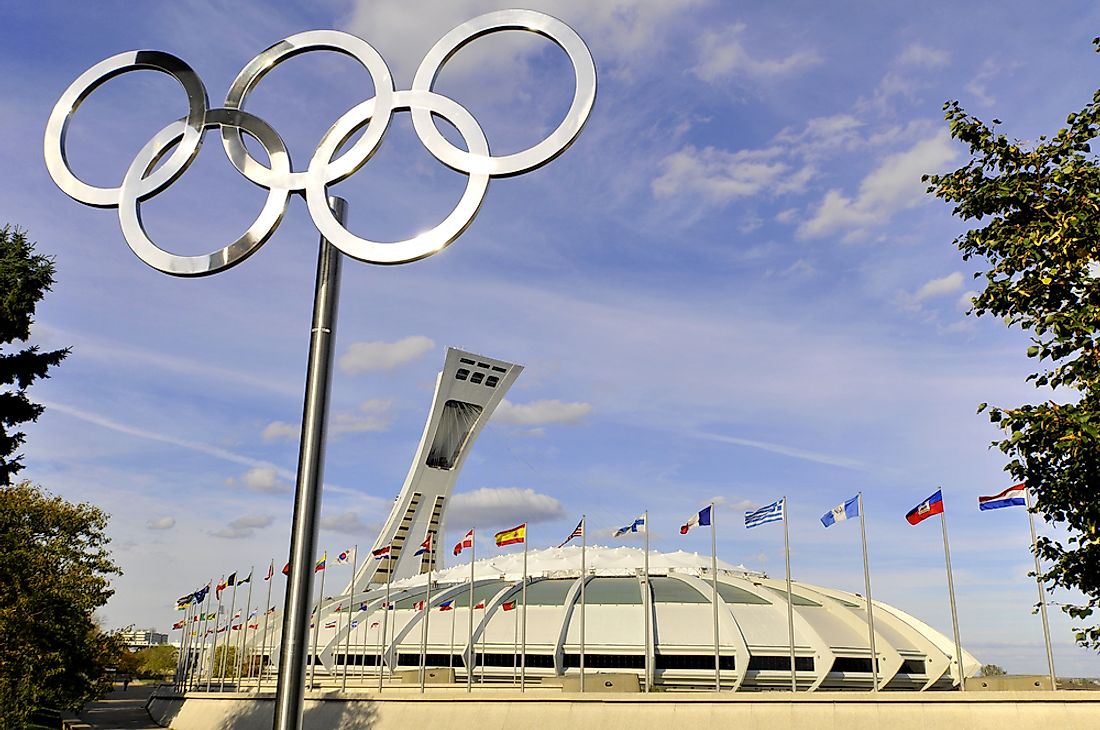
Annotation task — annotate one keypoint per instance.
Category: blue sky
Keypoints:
(732, 286)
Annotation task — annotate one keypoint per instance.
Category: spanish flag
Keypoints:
(513, 536)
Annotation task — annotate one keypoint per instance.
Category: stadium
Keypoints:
(652, 618)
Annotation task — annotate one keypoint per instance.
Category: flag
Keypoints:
(355, 623)
(270, 571)
(178, 625)
(200, 594)
(425, 546)
(321, 563)
(346, 557)
(382, 552)
(466, 542)
(632, 527)
(231, 580)
(363, 606)
(246, 579)
(330, 625)
(219, 588)
(578, 531)
(270, 610)
(254, 626)
(702, 518)
(286, 569)
(373, 624)
(842, 511)
(184, 601)
(419, 606)
(508, 605)
(480, 604)
(447, 605)
(237, 615)
(1011, 497)
(513, 536)
(768, 513)
(931, 506)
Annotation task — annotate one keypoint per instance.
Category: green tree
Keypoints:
(25, 277)
(157, 661)
(1036, 207)
(54, 573)
(992, 670)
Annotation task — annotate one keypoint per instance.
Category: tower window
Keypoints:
(477, 377)
(492, 381)
(455, 423)
(462, 374)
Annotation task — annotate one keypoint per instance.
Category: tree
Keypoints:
(25, 277)
(54, 573)
(1037, 209)
(157, 661)
(992, 670)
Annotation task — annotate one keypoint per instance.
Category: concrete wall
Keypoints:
(550, 710)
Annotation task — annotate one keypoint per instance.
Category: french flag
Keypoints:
(1011, 497)
(931, 506)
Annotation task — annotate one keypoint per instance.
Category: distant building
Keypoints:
(141, 638)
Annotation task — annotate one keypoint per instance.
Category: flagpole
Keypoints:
(228, 635)
(427, 612)
(385, 614)
(470, 642)
(1042, 593)
(951, 594)
(451, 648)
(351, 602)
(381, 643)
(714, 597)
(584, 580)
(214, 651)
(244, 629)
(317, 621)
(515, 648)
(867, 588)
(646, 606)
(183, 644)
(193, 680)
(267, 619)
(790, 597)
(523, 648)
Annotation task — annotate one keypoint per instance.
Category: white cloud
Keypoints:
(243, 526)
(939, 287)
(966, 300)
(922, 56)
(161, 523)
(373, 415)
(823, 136)
(277, 430)
(540, 412)
(264, 479)
(501, 507)
(361, 357)
(814, 456)
(349, 522)
(893, 186)
(723, 55)
(718, 175)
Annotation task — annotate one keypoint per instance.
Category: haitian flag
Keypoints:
(1011, 497)
(931, 506)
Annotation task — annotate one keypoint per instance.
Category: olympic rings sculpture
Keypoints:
(144, 179)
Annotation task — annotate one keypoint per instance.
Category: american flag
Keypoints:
(578, 531)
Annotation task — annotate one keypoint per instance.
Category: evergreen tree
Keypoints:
(25, 277)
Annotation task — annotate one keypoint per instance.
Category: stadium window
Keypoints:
(462, 374)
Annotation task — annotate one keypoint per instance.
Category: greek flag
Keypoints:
(632, 527)
(768, 513)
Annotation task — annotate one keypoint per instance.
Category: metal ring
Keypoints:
(191, 137)
(557, 142)
(423, 244)
(258, 67)
(133, 187)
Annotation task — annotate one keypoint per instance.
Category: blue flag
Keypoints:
(841, 512)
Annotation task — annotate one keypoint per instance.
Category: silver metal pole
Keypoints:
(290, 695)
(470, 642)
(584, 581)
(790, 597)
(714, 597)
(523, 646)
(228, 636)
(385, 616)
(951, 594)
(870, 609)
(183, 645)
(1042, 593)
(267, 618)
(646, 604)
(351, 614)
(427, 612)
(214, 651)
(317, 624)
(243, 643)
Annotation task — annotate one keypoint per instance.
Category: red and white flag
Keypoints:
(466, 542)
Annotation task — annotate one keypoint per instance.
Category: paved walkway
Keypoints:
(120, 710)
